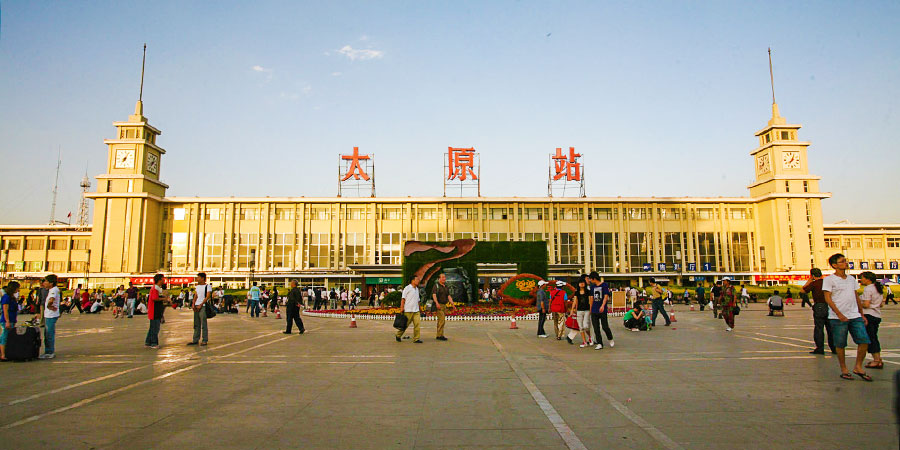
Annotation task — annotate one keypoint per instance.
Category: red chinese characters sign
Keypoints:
(139, 281)
(567, 165)
(781, 277)
(355, 170)
(461, 161)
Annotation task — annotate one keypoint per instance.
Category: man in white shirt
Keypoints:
(410, 304)
(51, 315)
(845, 315)
(204, 293)
(745, 297)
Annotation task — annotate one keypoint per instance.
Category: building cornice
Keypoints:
(780, 144)
(788, 126)
(96, 195)
(118, 176)
(136, 142)
(559, 200)
(786, 177)
(140, 124)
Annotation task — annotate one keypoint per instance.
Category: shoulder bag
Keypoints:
(210, 310)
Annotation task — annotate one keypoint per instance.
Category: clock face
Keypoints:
(791, 160)
(152, 163)
(124, 159)
(763, 164)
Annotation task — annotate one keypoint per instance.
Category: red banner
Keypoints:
(781, 277)
(169, 280)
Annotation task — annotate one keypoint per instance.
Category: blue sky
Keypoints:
(259, 98)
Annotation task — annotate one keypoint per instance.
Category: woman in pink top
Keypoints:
(871, 299)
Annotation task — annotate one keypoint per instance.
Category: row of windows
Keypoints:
(52, 243)
(783, 135)
(48, 266)
(855, 242)
(253, 213)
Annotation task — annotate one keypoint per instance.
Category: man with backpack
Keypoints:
(204, 294)
(558, 299)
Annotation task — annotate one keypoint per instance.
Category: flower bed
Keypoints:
(462, 313)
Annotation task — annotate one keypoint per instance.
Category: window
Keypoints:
(670, 213)
(740, 248)
(284, 213)
(706, 213)
(388, 250)
(319, 249)
(247, 250)
(638, 249)
(532, 214)
(429, 237)
(282, 244)
(636, 213)
(34, 244)
(603, 214)
(392, 214)
(179, 250)
(873, 242)
(178, 213)
(58, 244)
(78, 266)
(462, 236)
(806, 186)
(740, 213)
(13, 244)
(832, 242)
(893, 242)
(605, 251)
(570, 214)
(852, 243)
(785, 135)
(80, 244)
(56, 266)
(671, 249)
(497, 237)
(787, 186)
(354, 248)
(249, 213)
(357, 214)
(318, 214)
(533, 237)
(706, 247)
(497, 214)
(464, 213)
(34, 266)
(768, 137)
(214, 213)
(212, 250)
(568, 250)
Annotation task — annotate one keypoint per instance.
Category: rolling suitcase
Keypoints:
(23, 343)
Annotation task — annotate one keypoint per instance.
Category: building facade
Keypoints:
(775, 233)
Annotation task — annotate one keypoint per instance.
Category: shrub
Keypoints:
(392, 299)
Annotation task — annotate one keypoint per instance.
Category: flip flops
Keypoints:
(875, 365)
(863, 375)
(847, 376)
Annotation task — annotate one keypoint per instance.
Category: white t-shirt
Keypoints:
(843, 294)
(142, 308)
(201, 289)
(744, 292)
(53, 297)
(410, 299)
(875, 299)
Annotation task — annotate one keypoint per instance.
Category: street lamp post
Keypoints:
(87, 269)
(252, 264)
(3, 264)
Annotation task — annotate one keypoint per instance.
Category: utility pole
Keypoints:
(55, 187)
(83, 207)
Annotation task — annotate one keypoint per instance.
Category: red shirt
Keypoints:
(154, 305)
(558, 301)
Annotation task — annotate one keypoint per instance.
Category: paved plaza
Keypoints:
(691, 385)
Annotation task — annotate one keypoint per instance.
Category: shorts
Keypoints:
(5, 334)
(857, 330)
(584, 320)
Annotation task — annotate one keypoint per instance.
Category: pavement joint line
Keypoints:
(642, 423)
(565, 432)
(113, 375)
(811, 342)
(93, 399)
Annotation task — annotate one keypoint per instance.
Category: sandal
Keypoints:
(863, 375)
(847, 376)
(875, 365)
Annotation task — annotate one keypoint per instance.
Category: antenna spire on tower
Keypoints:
(55, 186)
(771, 76)
(144, 61)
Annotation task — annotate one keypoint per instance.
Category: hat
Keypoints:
(541, 283)
(560, 283)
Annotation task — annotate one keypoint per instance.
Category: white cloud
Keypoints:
(336, 74)
(360, 54)
(260, 69)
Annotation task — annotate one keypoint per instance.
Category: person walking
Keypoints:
(715, 294)
(201, 326)
(789, 297)
(745, 297)
(872, 299)
(581, 309)
(888, 295)
(410, 304)
(254, 300)
(820, 309)
(601, 300)
(440, 294)
(76, 299)
(804, 299)
(558, 298)
(656, 299)
(292, 309)
(51, 315)
(686, 297)
(9, 311)
(727, 302)
(119, 301)
(542, 300)
(130, 299)
(701, 299)
(846, 315)
(155, 305)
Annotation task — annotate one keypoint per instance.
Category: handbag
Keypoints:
(210, 311)
(736, 310)
(572, 323)
(400, 321)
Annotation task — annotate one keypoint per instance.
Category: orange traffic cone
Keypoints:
(672, 315)
(512, 323)
(692, 306)
(277, 313)
(352, 321)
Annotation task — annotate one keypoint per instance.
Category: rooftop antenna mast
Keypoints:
(771, 76)
(143, 62)
(55, 186)
(83, 207)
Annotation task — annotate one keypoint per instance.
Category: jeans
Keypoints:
(293, 316)
(153, 333)
(200, 325)
(657, 309)
(542, 318)
(598, 320)
(872, 331)
(50, 335)
(821, 325)
(129, 307)
(254, 308)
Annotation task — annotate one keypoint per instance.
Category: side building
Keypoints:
(774, 235)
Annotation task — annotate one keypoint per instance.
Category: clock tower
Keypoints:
(128, 201)
(788, 201)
